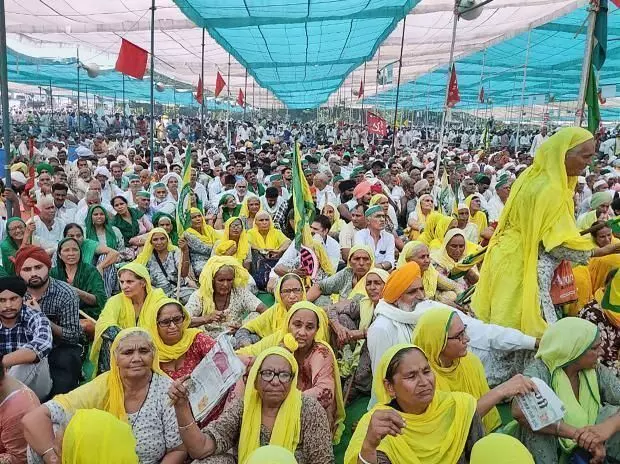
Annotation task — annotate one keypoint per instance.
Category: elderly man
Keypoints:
(25, 338)
(59, 302)
(46, 227)
(324, 191)
(108, 190)
(377, 238)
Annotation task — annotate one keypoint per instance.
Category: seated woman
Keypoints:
(349, 320)
(250, 206)
(437, 225)
(169, 224)
(414, 420)
(15, 231)
(223, 300)
(235, 243)
(134, 391)
(16, 400)
(123, 311)
(417, 219)
(132, 223)
(228, 208)
(361, 259)
(477, 216)
(306, 334)
(455, 247)
(99, 228)
(600, 210)
(441, 334)
(84, 278)
(436, 286)
(464, 222)
(272, 412)
(265, 238)
(163, 260)
(567, 361)
(333, 214)
(288, 291)
(600, 267)
(200, 239)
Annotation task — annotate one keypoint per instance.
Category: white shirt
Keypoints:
(537, 142)
(324, 196)
(384, 248)
(333, 250)
(46, 238)
(66, 213)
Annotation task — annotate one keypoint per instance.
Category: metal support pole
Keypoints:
(400, 66)
(152, 141)
(527, 56)
(202, 82)
(51, 108)
(587, 59)
(4, 88)
(124, 95)
(245, 93)
(363, 94)
(228, 108)
(79, 117)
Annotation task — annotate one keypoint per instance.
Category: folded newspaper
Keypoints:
(541, 408)
(219, 370)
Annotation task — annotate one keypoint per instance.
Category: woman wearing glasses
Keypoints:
(441, 334)
(271, 412)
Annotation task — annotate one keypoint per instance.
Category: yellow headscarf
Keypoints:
(337, 222)
(106, 390)
(437, 436)
(421, 217)
(360, 285)
(272, 454)
(480, 219)
(436, 227)
(146, 253)
(214, 264)
(497, 448)
(286, 430)
(376, 198)
(609, 299)
(243, 244)
(169, 353)
(441, 256)
(562, 344)
(272, 241)
(245, 211)
(366, 305)
(430, 277)
(466, 374)
(540, 206)
(274, 318)
(119, 311)
(97, 437)
(209, 235)
(284, 337)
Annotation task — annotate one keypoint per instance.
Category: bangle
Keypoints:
(557, 428)
(48, 450)
(362, 459)
(185, 427)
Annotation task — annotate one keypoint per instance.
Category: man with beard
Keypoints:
(347, 200)
(25, 338)
(58, 301)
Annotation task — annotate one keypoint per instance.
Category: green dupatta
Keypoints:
(8, 247)
(91, 232)
(129, 230)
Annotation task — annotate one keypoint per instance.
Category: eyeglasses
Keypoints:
(290, 291)
(460, 336)
(177, 321)
(283, 377)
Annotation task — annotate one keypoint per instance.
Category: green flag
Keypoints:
(594, 112)
(302, 202)
(183, 204)
(599, 52)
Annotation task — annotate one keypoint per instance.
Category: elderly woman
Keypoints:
(567, 361)
(235, 243)
(132, 223)
(223, 300)
(333, 214)
(123, 311)
(446, 259)
(15, 231)
(476, 215)
(361, 259)
(437, 225)
(306, 335)
(84, 278)
(169, 224)
(200, 238)
(414, 420)
(134, 391)
(172, 181)
(600, 210)
(250, 206)
(288, 291)
(228, 208)
(164, 260)
(417, 219)
(265, 238)
(441, 334)
(272, 411)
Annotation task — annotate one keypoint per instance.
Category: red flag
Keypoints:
(220, 83)
(199, 90)
(240, 98)
(376, 124)
(360, 94)
(481, 96)
(616, 2)
(131, 60)
(453, 89)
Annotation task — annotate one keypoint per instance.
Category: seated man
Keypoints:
(47, 227)
(320, 228)
(25, 338)
(59, 302)
(377, 238)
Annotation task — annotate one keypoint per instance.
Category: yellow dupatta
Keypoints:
(489, 449)
(367, 308)
(243, 244)
(430, 277)
(119, 310)
(562, 344)
(214, 264)
(106, 390)
(284, 337)
(169, 353)
(441, 256)
(97, 437)
(479, 218)
(609, 299)
(466, 374)
(245, 211)
(272, 241)
(286, 430)
(274, 318)
(437, 436)
(337, 222)
(436, 227)
(599, 268)
(147, 251)
(209, 235)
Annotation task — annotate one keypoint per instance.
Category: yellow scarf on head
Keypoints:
(429, 277)
(479, 218)
(322, 257)
(436, 227)
(207, 275)
(562, 344)
(286, 430)
(367, 308)
(337, 222)
(119, 310)
(146, 253)
(441, 256)
(272, 241)
(106, 390)
(488, 449)
(97, 437)
(169, 353)
(421, 217)
(209, 235)
(437, 436)
(599, 268)
(274, 318)
(466, 374)
(370, 253)
(376, 198)
(284, 337)
(245, 211)
(243, 244)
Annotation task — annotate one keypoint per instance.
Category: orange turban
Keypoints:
(400, 280)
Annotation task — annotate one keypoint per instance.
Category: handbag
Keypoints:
(563, 289)
(262, 267)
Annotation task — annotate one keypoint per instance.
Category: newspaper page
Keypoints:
(219, 370)
(541, 408)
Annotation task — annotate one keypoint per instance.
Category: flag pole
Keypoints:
(124, 114)
(202, 84)
(527, 56)
(152, 141)
(78, 91)
(245, 92)
(228, 108)
(400, 67)
(6, 121)
(363, 94)
(587, 59)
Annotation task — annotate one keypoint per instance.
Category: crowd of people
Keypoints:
(437, 281)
